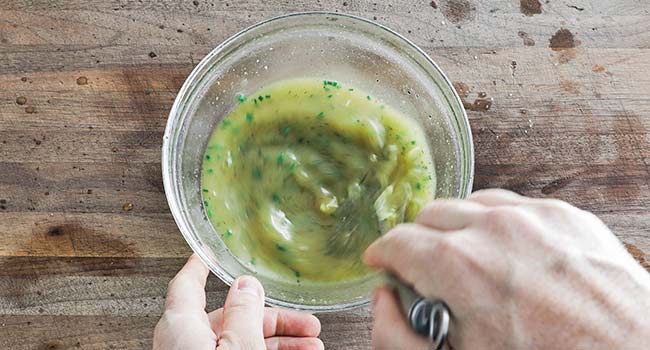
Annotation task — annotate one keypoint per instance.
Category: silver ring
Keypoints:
(431, 319)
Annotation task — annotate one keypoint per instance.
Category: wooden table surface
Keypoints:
(558, 95)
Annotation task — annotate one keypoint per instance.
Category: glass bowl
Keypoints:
(327, 46)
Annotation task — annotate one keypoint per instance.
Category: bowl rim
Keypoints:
(168, 165)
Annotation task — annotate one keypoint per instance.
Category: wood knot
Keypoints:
(55, 231)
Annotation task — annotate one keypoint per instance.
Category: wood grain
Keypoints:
(86, 87)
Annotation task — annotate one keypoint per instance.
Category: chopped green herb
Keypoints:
(275, 198)
(253, 261)
(285, 130)
(350, 89)
(280, 247)
(249, 117)
(205, 190)
(292, 167)
(331, 83)
(210, 213)
(418, 186)
(326, 89)
(255, 101)
(329, 96)
(207, 157)
(241, 98)
(257, 174)
(413, 142)
(210, 170)
(228, 233)
(261, 98)
(225, 123)
(280, 159)
(297, 274)
(321, 115)
(398, 137)
(368, 97)
(206, 203)
(267, 96)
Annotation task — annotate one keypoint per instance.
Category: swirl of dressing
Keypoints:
(303, 175)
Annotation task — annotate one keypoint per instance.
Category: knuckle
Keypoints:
(500, 216)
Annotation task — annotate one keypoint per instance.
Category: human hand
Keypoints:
(517, 273)
(242, 324)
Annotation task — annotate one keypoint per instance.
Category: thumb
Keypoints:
(243, 316)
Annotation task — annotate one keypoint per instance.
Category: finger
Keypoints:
(391, 330)
(450, 214)
(290, 323)
(277, 322)
(291, 343)
(186, 291)
(243, 316)
(495, 197)
(405, 251)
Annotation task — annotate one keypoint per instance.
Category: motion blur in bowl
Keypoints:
(304, 174)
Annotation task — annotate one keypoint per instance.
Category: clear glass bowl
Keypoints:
(328, 46)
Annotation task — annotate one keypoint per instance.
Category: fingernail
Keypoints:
(247, 284)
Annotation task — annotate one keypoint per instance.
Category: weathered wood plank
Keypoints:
(453, 23)
(76, 332)
(130, 234)
(81, 187)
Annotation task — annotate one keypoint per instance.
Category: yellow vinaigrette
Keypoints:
(304, 174)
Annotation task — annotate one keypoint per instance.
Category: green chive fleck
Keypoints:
(267, 96)
(285, 130)
(329, 96)
(297, 274)
(228, 233)
(261, 98)
(205, 190)
(413, 142)
(255, 101)
(350, 89)
(249, 117)
(225, 123)
(252, 261)
(326, 89)
(368, 97)
(321, 115)
(280, 159)
(206, 203)
(292, 166)
(207, 156)
(210, 213)
(398, 137)
(210, 170)
(275, 198)
(257, 174)
(418, 186)
(281, 247)
(241, 98)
